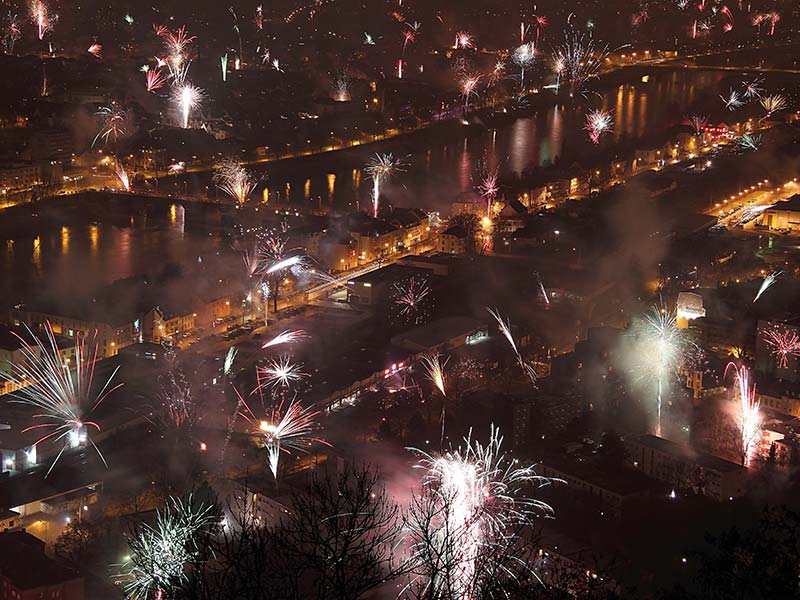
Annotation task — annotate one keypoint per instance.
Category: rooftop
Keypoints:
(687, 453)
(438, 332)
(792, 204)
(24, 563)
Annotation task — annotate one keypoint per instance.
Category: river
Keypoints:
(80, 250)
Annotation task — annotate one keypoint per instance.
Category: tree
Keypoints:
(755, 563)
(75, 543)
(339, 541)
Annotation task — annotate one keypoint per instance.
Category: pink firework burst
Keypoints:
(464, 41)
(598, 122)
(783, 343)
(155, 80)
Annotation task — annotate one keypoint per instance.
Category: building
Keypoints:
(113, 329)
(443, 334)
(160, 324)
(19, 176)
(686, 468)
(613, 490)
(783, 216)
(454, 240)
(689, 307)
(27, 573)
(414, 224)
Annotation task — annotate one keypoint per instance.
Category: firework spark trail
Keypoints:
(62, 394)
(542, 290)
(505, 329)
(230, 356)
(280, 371)
(95, 50)
(380, 168)
(186, 98)
(122, 175)
(749, 417)
(284, 428)
(235, 181)
(341, 87)
(158, 555)
(478, 507)
(285, 337)
(434, 368)
(285, 263)
(768, 282)
(598, 122)
(784, 342)
(733, 100)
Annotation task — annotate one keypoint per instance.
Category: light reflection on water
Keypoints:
(77, 254)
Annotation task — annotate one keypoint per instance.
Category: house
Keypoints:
(414, 224)
(159, 324)
(27, 573)
(454, 240)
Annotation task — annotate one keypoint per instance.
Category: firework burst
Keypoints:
(159, 554)
(381, 168)
(95, 50)
(463, 41)
(411, 298)
(280, 371)
(154, 79)
(772, 104)
(505, 329)
(733, 100)
(598, 122)
(581, 60)
(235, 181)
(113, 121)
(186, 98)
(470, 510)
(285, 428)
(63, 394)
(749, 142)
(699, 123)
(41, 17)
(783, 342)
(659, 347)
(524, 56)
